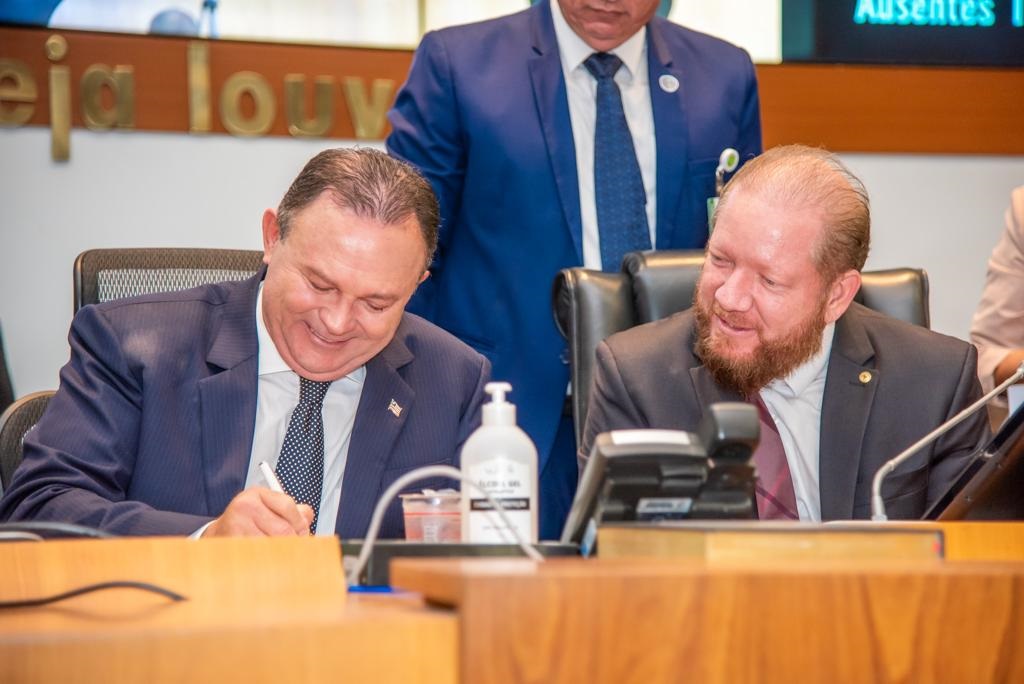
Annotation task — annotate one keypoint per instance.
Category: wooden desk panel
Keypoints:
(258, 610)
(274, 610)
(984, 540)
(670, 621)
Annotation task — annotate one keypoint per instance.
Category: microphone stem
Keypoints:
(877, 504)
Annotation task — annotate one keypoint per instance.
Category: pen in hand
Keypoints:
(271, 478)
(273, 483)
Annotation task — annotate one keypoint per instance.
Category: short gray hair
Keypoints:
(368, 183)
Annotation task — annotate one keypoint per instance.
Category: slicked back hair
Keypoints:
(368, 183)
(805, 177)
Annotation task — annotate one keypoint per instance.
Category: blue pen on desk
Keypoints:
(271, 478)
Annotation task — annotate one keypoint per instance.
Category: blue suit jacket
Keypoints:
(151, 430)
(484, 115)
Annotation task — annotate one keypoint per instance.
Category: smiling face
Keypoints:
(337, 285)
(761, 303)
(606, 24)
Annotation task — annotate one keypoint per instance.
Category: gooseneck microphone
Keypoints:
(877, 505)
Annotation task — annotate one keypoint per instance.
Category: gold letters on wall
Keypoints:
(123, 88)
(369, 115)
(121, 83)
(198, 88)
(17, 92)
(60, 99)
(237, 87)
(323, 105)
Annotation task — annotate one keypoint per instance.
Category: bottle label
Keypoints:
(506, 503)
(509, 483)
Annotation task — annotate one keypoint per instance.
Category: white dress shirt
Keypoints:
(581, 88)
(794, 403)
(277, 396)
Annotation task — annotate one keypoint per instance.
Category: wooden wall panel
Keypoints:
(894, 109)
(843, 107)
(160, 66)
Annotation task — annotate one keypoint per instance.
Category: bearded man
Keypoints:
(839, 387)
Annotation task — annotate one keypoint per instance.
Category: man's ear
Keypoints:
(426, 274)
(271, 234)
(840, 295)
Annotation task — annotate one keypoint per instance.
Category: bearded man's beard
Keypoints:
(773, 359)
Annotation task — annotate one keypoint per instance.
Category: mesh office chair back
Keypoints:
(101, 275)
(15, 422)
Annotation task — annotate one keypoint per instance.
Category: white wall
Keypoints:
(754, 24)
(138, 189)
(944, 213)
(129, 189)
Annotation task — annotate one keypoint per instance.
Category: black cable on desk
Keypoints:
(53, 529)
(44, 600)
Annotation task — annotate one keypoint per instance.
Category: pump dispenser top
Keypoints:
(498, 411)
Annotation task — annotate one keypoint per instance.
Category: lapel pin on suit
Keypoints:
(668, 83)
(395, 408)
(864, 377)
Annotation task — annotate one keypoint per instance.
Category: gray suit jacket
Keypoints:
(649, 376)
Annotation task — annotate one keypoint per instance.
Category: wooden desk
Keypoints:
(274, 611)
(670, 620)
(905, 540)
(258, 610)
(983, 540)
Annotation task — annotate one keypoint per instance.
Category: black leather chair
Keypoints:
(663, 283)
(591, 305)
(17, 420)
(104, 274)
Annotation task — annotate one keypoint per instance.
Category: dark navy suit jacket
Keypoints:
(151, 430)
(484, 114)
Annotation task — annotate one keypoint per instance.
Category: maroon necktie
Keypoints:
(776, 499)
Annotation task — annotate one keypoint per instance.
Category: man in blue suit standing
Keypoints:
(171, 402)
(564, 135)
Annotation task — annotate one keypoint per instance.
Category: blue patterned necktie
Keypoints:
(618, 186)
(301, 466)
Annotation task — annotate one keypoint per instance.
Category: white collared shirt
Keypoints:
(581, 88)
(277, 396)
(794, 403)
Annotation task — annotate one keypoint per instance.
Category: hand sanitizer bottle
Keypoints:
(500, 458)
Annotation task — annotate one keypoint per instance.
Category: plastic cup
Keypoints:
(432, 517)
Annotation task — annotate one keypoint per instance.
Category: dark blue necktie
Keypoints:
(301, 466)
(618, 186)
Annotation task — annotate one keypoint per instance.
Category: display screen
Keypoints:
(950, 32)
